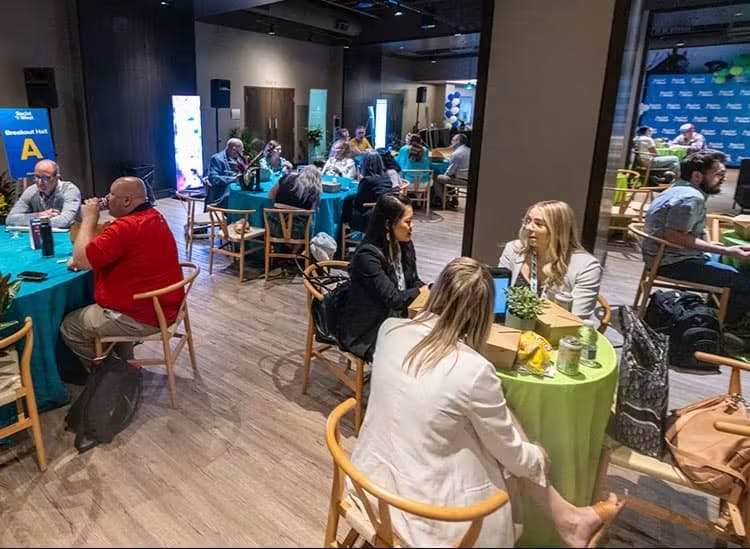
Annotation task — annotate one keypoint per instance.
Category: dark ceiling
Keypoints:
(360, 22)
(700, 24)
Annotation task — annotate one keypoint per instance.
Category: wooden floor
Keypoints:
(242, 461)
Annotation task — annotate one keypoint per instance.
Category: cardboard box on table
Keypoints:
(502, 343)
(555, 323)
(742, 226)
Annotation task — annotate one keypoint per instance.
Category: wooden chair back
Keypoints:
(650, 276)
(186, 283)
(24, 392)
(190, 203)
(634, 176)
(286, 216)
(716, 225)
(378, 514)
(220, 222)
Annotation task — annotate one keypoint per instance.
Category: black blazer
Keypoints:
(369, 190)
(374, 296)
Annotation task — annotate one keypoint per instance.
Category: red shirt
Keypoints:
(136, 253)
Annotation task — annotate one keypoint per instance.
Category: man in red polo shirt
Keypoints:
(135, 253)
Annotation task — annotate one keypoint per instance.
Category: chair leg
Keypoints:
(268, 257)
(308, 351)
(359, 385)
(445, 195)
(191, 348)
(601, 475)
(168, 361)
(242, 260)
(36, 429)
(723, 305)
(332, 525)
(211, 257)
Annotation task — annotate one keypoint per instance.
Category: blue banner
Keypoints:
(719, 111)
(316, 118)
(27, 138)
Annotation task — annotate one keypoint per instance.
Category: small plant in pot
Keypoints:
(8, 292)
(523, 307)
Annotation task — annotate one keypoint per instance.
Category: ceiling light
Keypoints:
(428, 22)
(272, 30)
(458, 34)
(401, 47)
(346, 47)
(433, 61)
(738, 14)
(399, 12)
(468, 86)
(680, 44)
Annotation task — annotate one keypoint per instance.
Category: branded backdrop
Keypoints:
(721, 112)
(27, 138)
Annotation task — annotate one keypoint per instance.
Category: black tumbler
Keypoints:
(48, 245)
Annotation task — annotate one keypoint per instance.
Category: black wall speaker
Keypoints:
(41, 90)
(422, 94)
(220, 93)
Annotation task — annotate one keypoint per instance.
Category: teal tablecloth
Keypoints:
(327, 219)
(46, 302)
(439, 167)
(567, 416)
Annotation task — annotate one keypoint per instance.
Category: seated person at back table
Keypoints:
(133, 254)
(645, 145)
(301, 190)
(392, 169)
(414, 156)
(548, 257)
(224, 168)
(438, 429)
(338, 135)
(457, 172)
(50, 197)
(678, 215)
(374, 183)
(359, 143)
(690, 138)
(272, 160)
(341, 164)
(384, 277)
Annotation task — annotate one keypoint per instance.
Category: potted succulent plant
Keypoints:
(8, 291)
(7, 195)
(523, 307)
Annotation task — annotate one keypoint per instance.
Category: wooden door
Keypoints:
(258, 112)
(282, 111)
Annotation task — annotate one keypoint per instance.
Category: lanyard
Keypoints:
(533, 282)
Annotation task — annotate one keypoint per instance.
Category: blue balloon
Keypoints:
(448, 104)
(457, 95)
(450, 96)
(448, 114)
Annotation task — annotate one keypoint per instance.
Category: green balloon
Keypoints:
(722, 72)
(719, 79)
(736, 70)
(742, 59)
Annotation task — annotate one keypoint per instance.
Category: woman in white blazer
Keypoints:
(548, 257)
(437, 428)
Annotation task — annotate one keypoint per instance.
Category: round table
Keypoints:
(567, 416)
(327, 219)
(46, 302)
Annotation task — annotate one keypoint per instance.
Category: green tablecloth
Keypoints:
(730, 238)
(673, 150)
(568, 417)
(46, 302)
(327, 219)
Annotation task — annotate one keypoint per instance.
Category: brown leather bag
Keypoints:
(714, 461)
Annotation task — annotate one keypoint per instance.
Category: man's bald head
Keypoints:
(45, 176)
(125, 195)
(46, 165)
(234, 147)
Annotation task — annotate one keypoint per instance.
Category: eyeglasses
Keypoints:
(43, 178)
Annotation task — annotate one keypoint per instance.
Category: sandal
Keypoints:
(607, 511)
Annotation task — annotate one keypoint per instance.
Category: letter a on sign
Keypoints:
(30, 149)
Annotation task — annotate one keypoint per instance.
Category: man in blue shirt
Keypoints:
(678, 215)
(224, 168)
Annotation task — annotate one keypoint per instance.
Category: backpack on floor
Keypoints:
(690, 324)
(107, 404)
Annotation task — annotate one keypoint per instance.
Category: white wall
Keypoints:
(397, 75)
(40, 33)
(541, 112)
(252, 59)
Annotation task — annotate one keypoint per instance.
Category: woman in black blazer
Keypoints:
(384, 277)
(374, 183)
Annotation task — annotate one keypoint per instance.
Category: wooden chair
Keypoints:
(355, 379)
(603, 313)
(374, 525)
(642, 164)
(716, 225)
(419, 189)
(286, 216)
(664, 469)
(456, 191)
(15, 378)
(235, 240)
(634, 177)
(166, 331)
(197, 224)
(631, 207)
(650, 278)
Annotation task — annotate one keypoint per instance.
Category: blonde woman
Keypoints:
(341, 163)
(548, 257)
(437, 428)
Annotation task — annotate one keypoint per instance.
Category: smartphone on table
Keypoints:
(33, 276)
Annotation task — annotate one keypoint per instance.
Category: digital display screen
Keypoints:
(188, 144)
(381, 120)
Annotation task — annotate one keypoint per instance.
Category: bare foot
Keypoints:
(585, 522)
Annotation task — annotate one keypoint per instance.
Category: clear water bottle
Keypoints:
(588, 336)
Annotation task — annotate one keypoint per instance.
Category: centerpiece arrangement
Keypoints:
(524, 306)
(8, 291)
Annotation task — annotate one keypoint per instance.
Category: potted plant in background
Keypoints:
(314, 139)
(250, 143)
(523, 307)
(8, 291)
(7, 195)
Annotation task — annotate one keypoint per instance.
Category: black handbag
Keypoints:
(325, 312)
(643, 390)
